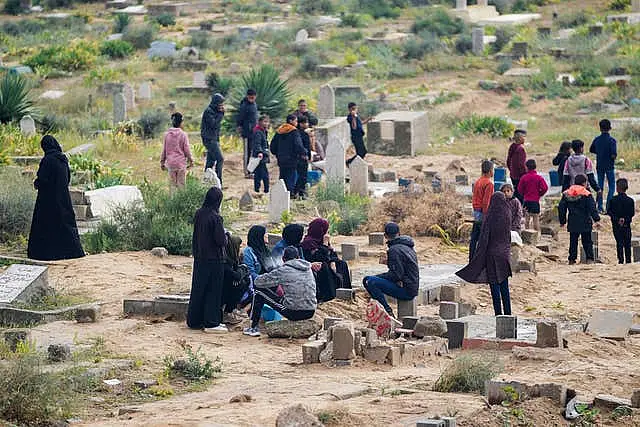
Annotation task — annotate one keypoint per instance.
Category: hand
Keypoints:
(326, 240)
(621, 222)
(597, 225)
(316, 266)
(163, 167)
(260, 155)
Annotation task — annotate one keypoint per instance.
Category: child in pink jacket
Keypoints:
(176, 154)
(532, 186)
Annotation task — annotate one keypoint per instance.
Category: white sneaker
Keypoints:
(252, 332)
(220, 329)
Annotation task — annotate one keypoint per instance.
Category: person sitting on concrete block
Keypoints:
(403, 278)
(289, 289)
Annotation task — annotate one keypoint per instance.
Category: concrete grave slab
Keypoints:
(410, 133)
(105, 201)
(22, 283)
(610, 323)
(53, 94)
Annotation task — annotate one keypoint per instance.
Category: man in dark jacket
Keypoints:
(287, 146)
(606, 151)
(621, 210)
(261, 150)
(210, 133)
(303, 163)
(582, 213)
(403, 278)
(303, 111)
(246, 120)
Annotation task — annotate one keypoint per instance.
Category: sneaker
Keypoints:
(220, 329)
(572, 262)
(240, 314)
(231, 319)
(252, 332)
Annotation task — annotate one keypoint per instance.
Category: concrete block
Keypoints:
(409, 322)
(610, 323)
(407, 353)
(358, 343)
(343, 341)
(506, 327)
(77, 196)
(636, 253)
(449, 421)
(330, 321)
(529, 266)
(548, 334)
(609, 403)
(376, 239)
(346, 294)
(311, 351)
(350, 252)
(433, 294)
(407, 308)
(371, 337)
(175, 310)
(530, 237)
(378, 354)
(394, 356)
(635, 399)
(466, 309)
(91, 314)
(82, 212)
(456, 333)
(430, 423)
(555, 392)
(448, 310)
(58, 352)
(449, 293)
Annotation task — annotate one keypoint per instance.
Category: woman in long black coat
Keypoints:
(54, 233)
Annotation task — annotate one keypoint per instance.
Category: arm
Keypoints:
(557, 159)
(592, 148)
(542, 186)
(352, 122)
(593, 210)
(251, 262)
(240, 116)
(257, 144)
(592, 182)
(520, 188)
(163, 157)
(521, 161)
(486, 198)
(274, 144)
(614, 149)
(186, 149)
(299, 146)
(268, 280)
(396, 267)
(562, 211)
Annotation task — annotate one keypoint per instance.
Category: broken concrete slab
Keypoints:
(610, 323)
(495, 391)
(330, 321)
(430, 326)
(609, 403)
(343, 336)
(311, 351)
(548, 334)
(10, 316)
(291, 328)
(105, 201)
(346, 294)
(23, 283)
(377, 354)
(173, 310)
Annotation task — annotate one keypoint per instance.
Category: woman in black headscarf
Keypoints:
(291, 236)
(235, 280)
(209, 241)
(490, 263)
(257, 255)
(54, 233)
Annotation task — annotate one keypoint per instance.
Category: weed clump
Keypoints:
(17, 199)
(495, 127)
(466, 374)
(352, 211)
(195, 366)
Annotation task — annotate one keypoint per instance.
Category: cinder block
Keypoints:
(377, 354)
(449, 293)
(466, 309)
(330, 321)
(349, 252)
(346, 294)
(456, 333)
(530, 237)
(430, 423)
(376, 239)
(409, 322)
(394, 356)
(449, 421)
(448, 310)
(548, 334)
(343, 341)
(506, 327)
(311, 351)
(407, 308)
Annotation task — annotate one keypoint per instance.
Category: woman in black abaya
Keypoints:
(54, 233)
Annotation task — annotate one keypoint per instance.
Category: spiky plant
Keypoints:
(219, 84)
(272, 91)
(15, 98)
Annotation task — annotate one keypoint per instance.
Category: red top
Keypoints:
(532, 186)
(482, 192)
(516, 160)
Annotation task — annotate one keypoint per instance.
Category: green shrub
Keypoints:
(58, 4)
(12, 7)
(140, 36)
(219, 84)
(116, 49)
(195, 366)
(495, 127)
(102, 174)
(619, 4)
(310, 62)
(589, 76)
(381, 8)
(353, 20)
(354, 209)
(572, 20)
(503, 66)
(166, 20)
(15, 98)
(439, 22)
(503, 37)
(317, 7)
(418, 47)
(464, 44)
(52, 123)
(466, 374)
(515, 102)
(79, 55)
(120, 22)
(546, 83)
(152, 123)
(17, 199)
(201, 40)
(273, 91)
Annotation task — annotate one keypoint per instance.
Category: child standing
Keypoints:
(357, 132)
(176, 154)
(300, 189)
(578, 164)
(516, 159)
(515, 206)
(606, 151)
(621, 210)
(561, 158)
(482, 192)
(582, 213)
(261, 150)
(532, 187)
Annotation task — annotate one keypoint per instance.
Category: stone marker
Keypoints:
(160, 252)
(346, 294)
(456, 333)
(119, 108)
(311, 351)
(461, 4)
(409, 322)
(199, 79)
(430, 326)
(359, 177)
(349, 252)
(477, 41)
(548, 334)
(278, 201)
(58, 352)
(448, 310)
(635, 6)
(246, 202)
(466, 309)
(376, 239)
(407, 308)
(144, 91)
(292, 329)
(449, 421)
(326, 103)
(330, 321)
(302, 36)
(530, 237)
(610, 324)
(23, 283)
(519, 49)
(343, 346)
(129, 96)
(449, 293)
(506, 327)
(27, 125)
(596, 29)
(544, 31)
(335, 161)
(635, 399)
(89, 314)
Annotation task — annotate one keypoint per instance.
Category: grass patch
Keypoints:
(17, 200)
(467, 374)
(495, 127)
(352, 212)
(194, 365)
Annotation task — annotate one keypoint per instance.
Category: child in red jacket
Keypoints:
(532, 187)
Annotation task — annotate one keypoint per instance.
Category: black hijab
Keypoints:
(292, 234)
(51, 147)
(213, 199)
(255, 240)
(233, 249)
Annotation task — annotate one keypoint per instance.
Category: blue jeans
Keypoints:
(290, 176)
(379, 287)
(475, 236)
(611, 180)
(500, 293)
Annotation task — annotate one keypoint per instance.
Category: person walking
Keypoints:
(176, 154)
(621, 210)
(287, 146)
(490, 264)
(210, 133)
(605, 147)
(246, 119)
(482, 192)
(261, 151)
(516, 159)
(54, 233)
(209, 242)
(357, 132)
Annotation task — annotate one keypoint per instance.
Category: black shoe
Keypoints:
(572, 262)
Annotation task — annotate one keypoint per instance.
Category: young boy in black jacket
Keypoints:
(300, 189)
(581, 206)
(261, 150)
(621, 210)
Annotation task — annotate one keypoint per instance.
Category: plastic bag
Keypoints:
(210, 177)
(253, 164)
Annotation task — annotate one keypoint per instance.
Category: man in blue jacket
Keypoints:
(606, 151)
(403, 278)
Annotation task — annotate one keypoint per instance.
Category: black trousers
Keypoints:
(232, 292)
(268, 296)
(516, 193)
(261, 175)
(301, 183)
(214, 157)
(623, 243)
(205, 303)
(587, 244)
(361, 150)
(475, 236)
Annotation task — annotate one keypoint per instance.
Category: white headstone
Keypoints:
(105, 201)
(278, 201)
(461, 4)
(144, 92)
(326, 103)
(52, 94)
(21, 283)
(335, 160)
(129, 96)
(635, 6)
(119, 108)
(302, 36)
(477, 41)
(359, 177)
(483, 3)
(27, 125)
(199, 79)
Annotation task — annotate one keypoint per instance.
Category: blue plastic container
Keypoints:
(269, 314)
(554, 178)
(497, 185)
(500, 175)
(313, 177)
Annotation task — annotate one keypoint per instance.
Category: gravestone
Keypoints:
(359, 177)
(278, 201)
(477, 41)
(199, 79)
(610, 324)
(162, 49)
(519, 49)
(144, 92)
(302, 36)
(335, 162)
(22, 283)
(635, 6)
(119, 108)
(326, 103)
(246, 202)
(129, 96)
(461, 4)
(27, 125)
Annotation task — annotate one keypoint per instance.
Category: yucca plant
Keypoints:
(272, 91)
(15, 98)
(219, 84)
(120, 22)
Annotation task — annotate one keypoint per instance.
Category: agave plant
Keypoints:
(15, 98)
(272, 91)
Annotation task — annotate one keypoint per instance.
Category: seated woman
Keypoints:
(257, 257)
(236, 280)
(289, 289)
(331, 272)
(291, 236)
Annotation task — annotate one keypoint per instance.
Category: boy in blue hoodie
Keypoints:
(605, 147)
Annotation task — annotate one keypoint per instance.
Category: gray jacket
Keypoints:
(297, 281)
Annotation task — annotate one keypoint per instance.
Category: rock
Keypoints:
(145, 383)
(160, 252)
(430, 326)
(377, 354)
(90, 314)
(297, 416)
(246, 202)
(311, 351)
(128, 410)
(327, 354)
(240, 398)
(292, 329)
(330, 321)
(58, 352)
(530, 237)
(13, 337)
(548, 334)
(328, 206)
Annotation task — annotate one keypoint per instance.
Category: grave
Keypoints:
(53, 94)
(162, 49)
(132, 10)
(129, 96)
(376, 239)
(519, 49)
(326, 103)
(119, 108)
(506, 327)
(477, 41)
(105, 201)
(23, 283)
(302, 36)
(82, 149)
(116, 4)
(199, 79)
(170, 8)
(168, 306)
(335, 162)
(610, 324)
(27, 125)
(359, 177)
(144, 92)
(398, 133)
(278, 201)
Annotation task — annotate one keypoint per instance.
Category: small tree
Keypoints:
(15, 98)
(272, 91)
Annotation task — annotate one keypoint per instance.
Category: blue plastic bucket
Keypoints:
(500, 175)
(313, 177)
(554, 178)
(498, 185)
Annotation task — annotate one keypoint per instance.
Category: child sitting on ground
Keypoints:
(621, 210)
(532, 187)
(515, 206)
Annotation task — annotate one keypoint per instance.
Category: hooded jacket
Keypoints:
(578, 164)
(176, 151)
(403, 264)
(287, 146)
(247, 117)
(209, 237)
(211, 121)
(297, 281)
(578, 205)
(260, 144)
(605, 147)
(516, 159)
